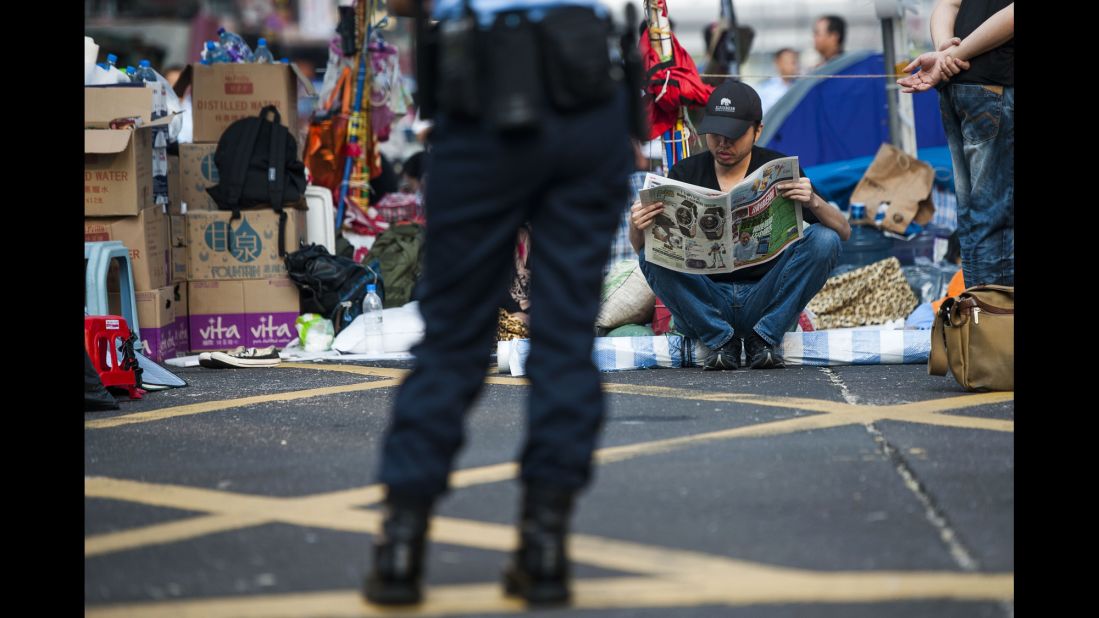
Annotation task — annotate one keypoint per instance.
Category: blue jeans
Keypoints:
(980, 129)
(713, 311)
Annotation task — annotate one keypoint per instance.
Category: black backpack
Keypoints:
(258, 166)
(330, 285)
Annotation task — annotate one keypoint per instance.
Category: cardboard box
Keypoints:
(174, 196)
(179, 264)
(252, 313)
(182, 327)
(156, 318)
(146, 236)
(253, 239)
(178, 230)
(197, 172)
(225, 93)
(118, 171)
(103, 104)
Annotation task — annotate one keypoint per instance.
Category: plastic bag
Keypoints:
(315, 332)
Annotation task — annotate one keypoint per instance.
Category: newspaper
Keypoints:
(703, 231)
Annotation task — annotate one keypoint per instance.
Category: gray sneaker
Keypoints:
(725, 357)
(762, 355)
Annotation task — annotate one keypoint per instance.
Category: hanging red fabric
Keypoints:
(676, 78)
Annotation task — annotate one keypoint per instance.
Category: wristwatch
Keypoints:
(685, 217)
(712, 222)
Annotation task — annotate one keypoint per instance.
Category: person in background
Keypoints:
(770, 91)
(829, 33)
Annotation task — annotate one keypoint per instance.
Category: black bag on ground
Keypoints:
(330, 285)
(258, 166)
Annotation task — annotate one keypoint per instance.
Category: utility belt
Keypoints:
(507, 73)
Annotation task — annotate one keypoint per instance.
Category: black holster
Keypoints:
(507, 74)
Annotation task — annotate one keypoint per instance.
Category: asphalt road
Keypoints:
(846, 492)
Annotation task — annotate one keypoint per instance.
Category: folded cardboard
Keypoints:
(904, 182)
(252, 313)
(175, 198)
(197, 172)
(156, 319)
(224, 93)
(246, 248)
(105, 103)
(178, 230)
(146, 236)
(179, 264)
(182, 327)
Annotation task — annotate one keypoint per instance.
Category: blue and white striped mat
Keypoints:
(838, 346)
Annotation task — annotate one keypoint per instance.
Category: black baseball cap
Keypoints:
(732, 108)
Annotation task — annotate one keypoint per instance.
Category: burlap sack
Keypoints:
(626, 297)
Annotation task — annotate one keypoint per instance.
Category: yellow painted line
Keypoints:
(602, 593)
(170, 532)
(956, 403)
(225, 404)
(363, 370)
(181, 496)
(949, 420)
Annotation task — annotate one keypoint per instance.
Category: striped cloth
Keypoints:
(826, 348)
(621, 249)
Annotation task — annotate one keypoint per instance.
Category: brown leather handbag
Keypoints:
(327, 141)
(974, 335)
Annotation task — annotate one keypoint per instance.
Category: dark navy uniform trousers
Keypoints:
(569, 179)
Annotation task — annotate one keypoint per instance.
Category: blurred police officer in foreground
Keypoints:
(531, 123)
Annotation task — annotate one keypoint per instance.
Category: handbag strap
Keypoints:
(936, 361)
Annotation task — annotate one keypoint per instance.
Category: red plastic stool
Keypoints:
(101, 336)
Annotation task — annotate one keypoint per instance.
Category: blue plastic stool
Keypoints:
(98, 256)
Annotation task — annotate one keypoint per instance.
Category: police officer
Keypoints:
(531, 124)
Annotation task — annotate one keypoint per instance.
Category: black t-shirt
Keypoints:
(699, 170)
(994, 67)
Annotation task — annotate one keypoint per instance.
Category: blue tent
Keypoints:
(826, 120)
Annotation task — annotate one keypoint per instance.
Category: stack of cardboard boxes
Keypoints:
(224, 284)
(119, 205)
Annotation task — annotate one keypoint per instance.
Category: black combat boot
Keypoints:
(539, 570)
(399, 555)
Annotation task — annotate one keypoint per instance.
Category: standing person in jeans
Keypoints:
(531, 125)
(753, 307)
(974, 70)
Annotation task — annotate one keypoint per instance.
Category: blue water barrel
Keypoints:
(866, 246)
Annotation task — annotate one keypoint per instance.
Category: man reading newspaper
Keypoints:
(751, 307)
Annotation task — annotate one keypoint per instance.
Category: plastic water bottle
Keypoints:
(235, 46)
(112, 60)
(284, 60)
(145, 73)
(214, 54)
(263, 55)
(131, 73)
(372, 313)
